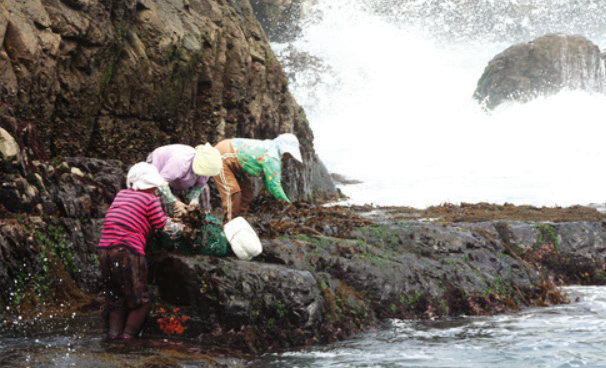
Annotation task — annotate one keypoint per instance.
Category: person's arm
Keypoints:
(194, 195)
(272, 179)
(173, 229)
(159, 220)
(166, 192)
(199, 197)
(179, 208)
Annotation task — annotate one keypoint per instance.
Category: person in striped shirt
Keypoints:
(132, 216)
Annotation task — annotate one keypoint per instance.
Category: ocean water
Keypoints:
(565, 336)
(387, 87)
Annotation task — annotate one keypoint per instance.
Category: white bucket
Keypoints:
(243, 240)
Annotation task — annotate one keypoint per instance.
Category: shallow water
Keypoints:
(79, 342)
(569, 335)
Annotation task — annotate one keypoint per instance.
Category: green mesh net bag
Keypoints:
(206, 238)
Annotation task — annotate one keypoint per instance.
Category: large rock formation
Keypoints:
(543, 67)
(115, 79)
(87, 82)
(319, 288)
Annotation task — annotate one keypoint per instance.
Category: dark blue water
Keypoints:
(571, 335)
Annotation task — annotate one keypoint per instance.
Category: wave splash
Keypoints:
(388, 92)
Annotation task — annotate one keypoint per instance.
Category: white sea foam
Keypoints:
(392, 106)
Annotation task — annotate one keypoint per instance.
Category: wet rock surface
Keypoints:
(326, 272)
(543, 67)
(308, 288)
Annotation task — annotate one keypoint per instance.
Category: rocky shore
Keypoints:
(326, 273)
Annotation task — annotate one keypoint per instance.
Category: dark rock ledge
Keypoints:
(326, 273)
(310, 289)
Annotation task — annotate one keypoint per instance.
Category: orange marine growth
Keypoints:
(172, 323)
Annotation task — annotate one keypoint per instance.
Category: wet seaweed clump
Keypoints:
(272, 219)
(481, 212)
(203, 234)
(194, 222)
(564, 269)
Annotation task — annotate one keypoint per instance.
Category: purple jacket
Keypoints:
(174, 164)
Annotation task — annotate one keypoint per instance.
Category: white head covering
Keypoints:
(288, 143)
(144, 176)
(207, 161)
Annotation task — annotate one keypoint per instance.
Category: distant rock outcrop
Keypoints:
(543, 67)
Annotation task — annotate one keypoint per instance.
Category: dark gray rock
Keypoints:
(542, 67)
(280, 19)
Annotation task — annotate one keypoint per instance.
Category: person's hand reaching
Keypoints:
(194, 205)
(179, 209)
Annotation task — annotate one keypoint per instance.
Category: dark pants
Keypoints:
(124, 277)
(128, 299)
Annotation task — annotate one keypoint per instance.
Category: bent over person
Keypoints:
(242, 156)
(186, 170)
(133, 214)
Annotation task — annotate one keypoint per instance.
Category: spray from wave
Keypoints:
(388, 87)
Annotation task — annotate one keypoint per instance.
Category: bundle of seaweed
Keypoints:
(272, 219)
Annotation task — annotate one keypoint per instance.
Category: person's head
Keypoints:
(144, 177)
(288, 146)
(207, 161)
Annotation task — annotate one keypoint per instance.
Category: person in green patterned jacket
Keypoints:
(253, 157)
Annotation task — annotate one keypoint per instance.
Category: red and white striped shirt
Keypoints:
(130, 219)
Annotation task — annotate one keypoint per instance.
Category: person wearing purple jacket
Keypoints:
(186, 170)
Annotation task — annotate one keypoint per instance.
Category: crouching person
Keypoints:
(134, 213)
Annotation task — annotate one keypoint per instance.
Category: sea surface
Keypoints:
(564, 336)
(387, 87)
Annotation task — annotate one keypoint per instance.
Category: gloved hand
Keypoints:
(179, 209)
(194, 205)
